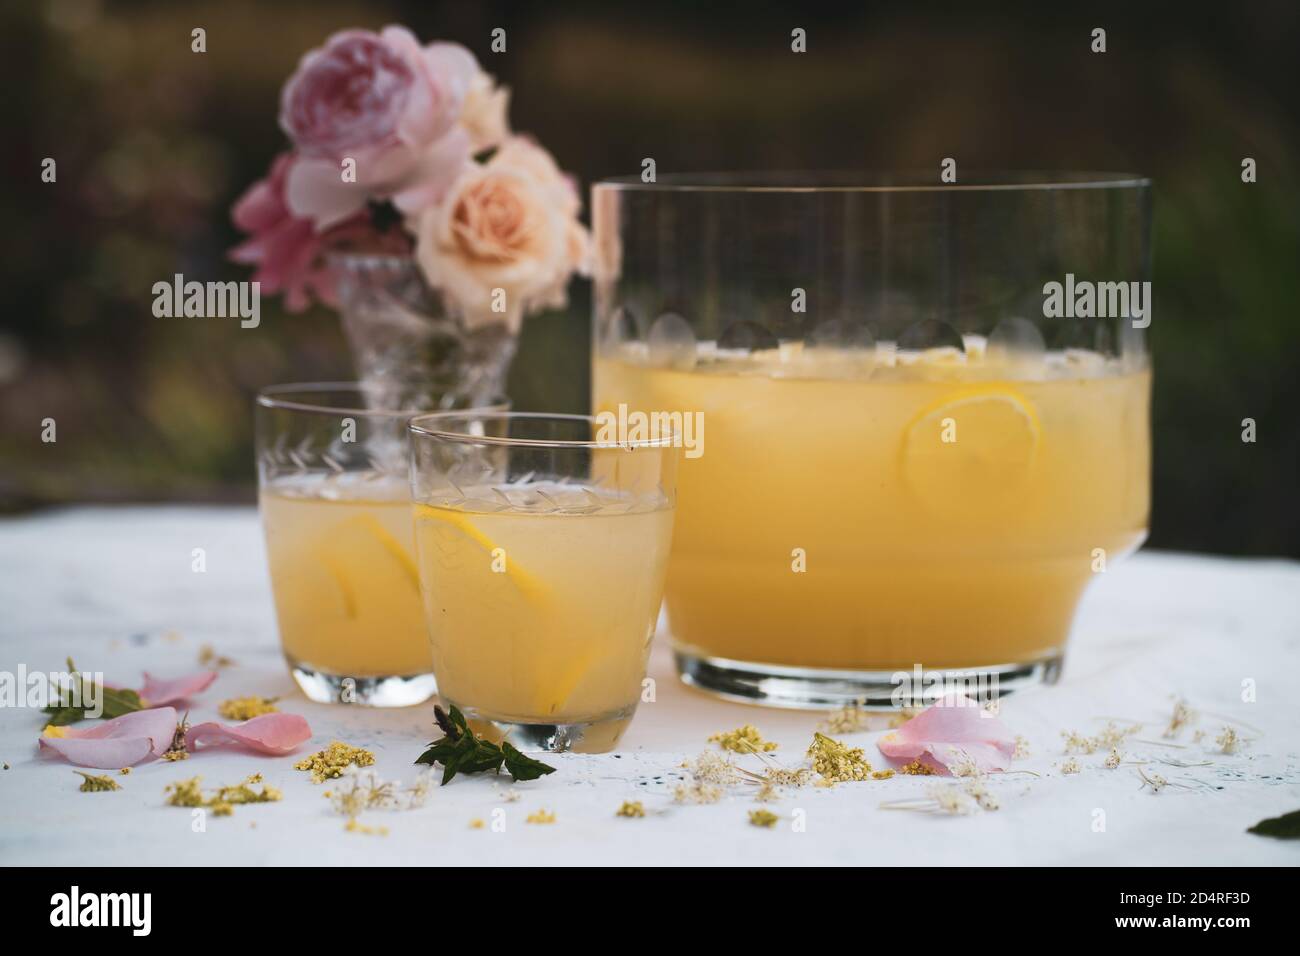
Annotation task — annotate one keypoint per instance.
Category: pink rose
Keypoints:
(387, 104)
(509, 225)
(287, 250)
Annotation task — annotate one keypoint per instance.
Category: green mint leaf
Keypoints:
(461, 751)
(1285, 827)
(120, 701)
(444, 722)
(521, 766)
(114, 702)
(62, 716)
(459, 721)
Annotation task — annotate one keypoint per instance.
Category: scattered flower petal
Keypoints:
(275, 734)
(120, 742)
(158, 691)
(953, 732)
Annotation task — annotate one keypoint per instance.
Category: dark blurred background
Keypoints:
(153, 142)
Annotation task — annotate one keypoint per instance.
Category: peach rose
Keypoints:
(506, 240)
(485, 114)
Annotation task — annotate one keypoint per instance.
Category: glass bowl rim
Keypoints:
(418, 427)
(277, 397)
(860, 181)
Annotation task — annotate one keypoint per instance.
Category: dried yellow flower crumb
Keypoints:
(781, 777)
(983, 796)
(1070, 766)
(172, 756)
(1022, 748)
(1111, 735)
(1228, 742)
(332, 761)
(1075, 742)
(711, 767)
(125, 771)
(951, 799)
(189, 793)
(185, 793)
(697, 792)
(631, 808)
(762, 818)
(1112, 759)
(1108, 738)
(209, 658)
(477, 824)
(837, 763)
(965, 768)
(1181, 717)
(881, 774)
(846, 720)
(246, 708)
(356, 826)
(94, 784)
(540, 816)
(1155, 781)
(903, 716)
(743, 740)
(768, 792)
(916, 769)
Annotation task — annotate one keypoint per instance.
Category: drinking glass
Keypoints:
(542, 542)
(926, 409)
(336, 513)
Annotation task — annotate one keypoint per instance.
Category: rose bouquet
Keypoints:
(403, 150)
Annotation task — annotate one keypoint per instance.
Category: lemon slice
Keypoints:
(563, 681)
(363, 544)
(972, 451)
(460, 522)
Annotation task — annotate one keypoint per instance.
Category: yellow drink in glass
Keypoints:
(557, 627)
(542, 562)
(347, 593)
(949, 509)
(925, 411)
(333, 485)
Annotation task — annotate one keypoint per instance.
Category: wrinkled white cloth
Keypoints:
(114, 588)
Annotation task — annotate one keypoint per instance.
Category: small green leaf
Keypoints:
(113, 701)
(461, 751)
(521, 766)
(1285, 827)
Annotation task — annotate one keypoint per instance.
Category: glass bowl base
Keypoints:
(811, 688)
(404, 690)
(595, 736)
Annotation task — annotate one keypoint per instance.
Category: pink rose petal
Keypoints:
(951, 732)
(158, 691)
(121, 742)
(274, 734)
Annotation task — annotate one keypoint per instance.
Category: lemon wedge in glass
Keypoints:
(978, 444)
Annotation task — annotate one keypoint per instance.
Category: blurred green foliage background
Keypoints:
(153, 143)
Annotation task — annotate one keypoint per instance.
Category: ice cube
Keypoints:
(930, 334)
(747, 336)
(671, 342)
(1015, 340)
(841, 334)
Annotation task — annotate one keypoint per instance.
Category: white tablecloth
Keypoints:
(114, 588)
